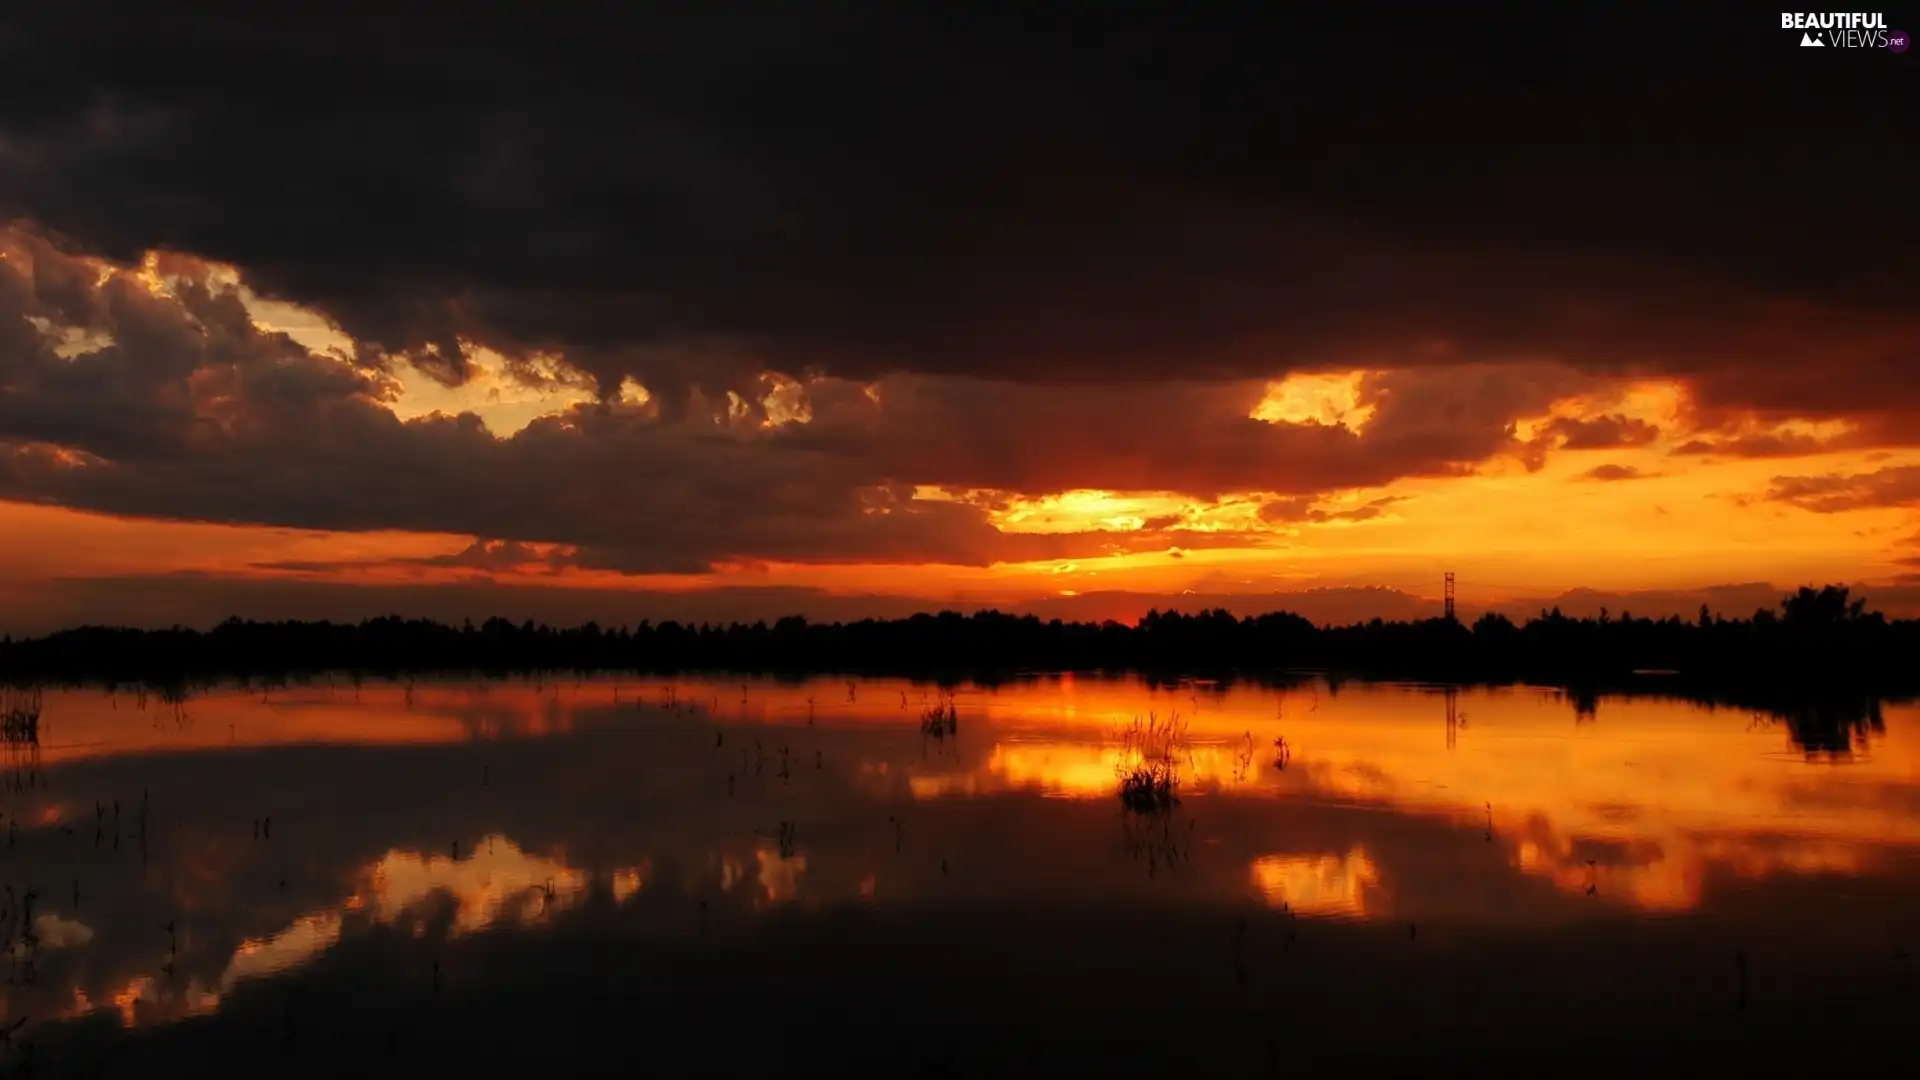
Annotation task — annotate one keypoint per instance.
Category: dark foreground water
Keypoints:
(700, 878)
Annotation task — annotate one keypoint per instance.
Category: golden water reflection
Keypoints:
(1644, 804)
(1322, 885)
(495, 884)
(649, 791)
(1642, 801)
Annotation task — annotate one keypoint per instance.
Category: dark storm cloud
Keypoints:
(1030, 256)
(1302, 509)
(691, 195)
(488, 555)
(1835, 492)
(119, 399)
(1190, 437)
(1608, 432)
(1777, 444)
(1610, 472)
(191, 412)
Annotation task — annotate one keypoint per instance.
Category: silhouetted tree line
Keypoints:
(1818, 636)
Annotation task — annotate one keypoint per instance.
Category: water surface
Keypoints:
(503, 875)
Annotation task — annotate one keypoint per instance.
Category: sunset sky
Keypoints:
(708, 316)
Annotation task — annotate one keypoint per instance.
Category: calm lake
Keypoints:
(700, 877)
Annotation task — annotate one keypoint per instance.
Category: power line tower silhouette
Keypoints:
(1449, 596)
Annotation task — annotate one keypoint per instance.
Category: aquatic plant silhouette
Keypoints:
(173, 950)
(20, 715)
(1153, 839)
(23, 943)
(1149, 766)
(175, 694)
(942, 720)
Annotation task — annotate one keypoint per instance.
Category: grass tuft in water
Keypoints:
(1149, 766)
(942, 720)
(20, 716)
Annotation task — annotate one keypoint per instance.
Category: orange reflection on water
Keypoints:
(779, 874)
(1670, 875)
(1321, 885)
(628, 881)
(943, 785)
(128, 1000)
(309, 936)
(81, 725)
(1092, 770)
(1657, 793)
(495, 883)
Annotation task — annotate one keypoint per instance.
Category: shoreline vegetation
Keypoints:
(1819, 640)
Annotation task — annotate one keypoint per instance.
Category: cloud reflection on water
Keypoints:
(618, 790)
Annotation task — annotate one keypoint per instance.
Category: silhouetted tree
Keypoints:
(1821, 635)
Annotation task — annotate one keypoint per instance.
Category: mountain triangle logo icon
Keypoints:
(1807, 40)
